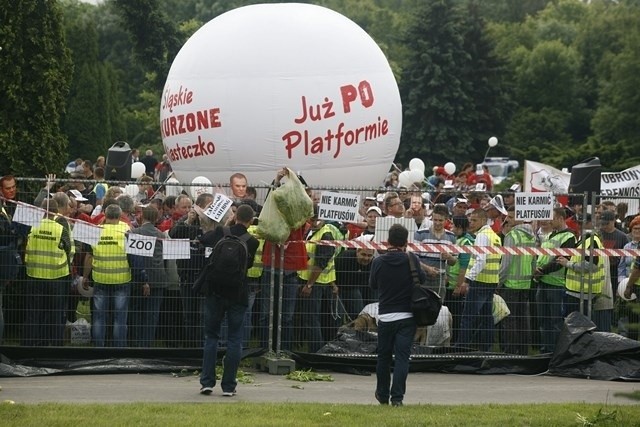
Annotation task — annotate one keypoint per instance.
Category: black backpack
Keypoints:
(425, 303)
(226, 270)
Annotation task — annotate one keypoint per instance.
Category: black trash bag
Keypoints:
(350, 341)
(583, 352)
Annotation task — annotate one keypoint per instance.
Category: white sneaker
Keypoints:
(229, 393)
(206, 390)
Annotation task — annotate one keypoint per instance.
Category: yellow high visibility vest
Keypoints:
(43, 257)
(256, 271)
(556, 240)
(328, 275)
(491, 271)
(520, 269)
(587, 280)
(110, 264)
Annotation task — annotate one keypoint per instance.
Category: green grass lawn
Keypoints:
(307, 414)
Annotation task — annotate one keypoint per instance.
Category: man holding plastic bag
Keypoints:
(281, 223)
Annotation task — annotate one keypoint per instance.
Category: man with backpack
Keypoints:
(227, 293)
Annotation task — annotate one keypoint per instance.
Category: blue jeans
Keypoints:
(191, 314)
(246, 336)
(476, 325)
(283, 320)
(549, 301)
(215, 309)
(150, 307)
(112, 299)
(46, 311)
(394, 338)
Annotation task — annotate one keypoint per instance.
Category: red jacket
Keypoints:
(295, 254)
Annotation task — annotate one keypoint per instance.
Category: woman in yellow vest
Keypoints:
(47, 260)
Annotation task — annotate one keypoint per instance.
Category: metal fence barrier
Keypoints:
(521, 320)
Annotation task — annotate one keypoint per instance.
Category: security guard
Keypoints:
(110, 266)
(516, 272)
(321, 272)
(550, 275)
(585, 274)
(47, 261)
(480, 283)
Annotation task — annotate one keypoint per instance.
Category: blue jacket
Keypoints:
(391, 276)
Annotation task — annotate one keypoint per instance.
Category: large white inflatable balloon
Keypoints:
(273, 85)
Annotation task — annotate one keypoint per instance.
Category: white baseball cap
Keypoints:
(78, 196)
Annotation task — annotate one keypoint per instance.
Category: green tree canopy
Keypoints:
(35, 71)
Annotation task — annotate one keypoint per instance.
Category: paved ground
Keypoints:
(423, 388)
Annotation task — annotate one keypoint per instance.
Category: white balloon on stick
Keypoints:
(200, 185)
(137, 170)
(416, 176)
(173, 189)
(404, 179)
(416, 164)
(131, 190)
(450, 168)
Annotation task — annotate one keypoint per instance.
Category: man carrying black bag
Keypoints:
(391, 276)
(229, 295)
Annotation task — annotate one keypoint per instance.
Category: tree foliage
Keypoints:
(555, 81)
(454, 88)
(94, 117)
(35, 71)
(155, 37)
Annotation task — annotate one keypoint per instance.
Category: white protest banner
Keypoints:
(541, 177)
(137, 244)
(338, 206)
(383, 224)
(176, 249)
(86, 233)
(28, 215)
(216, 210)
(534, 206)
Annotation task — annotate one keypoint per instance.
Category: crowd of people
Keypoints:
(135, 298)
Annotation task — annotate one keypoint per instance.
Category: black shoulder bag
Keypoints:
(425, 303)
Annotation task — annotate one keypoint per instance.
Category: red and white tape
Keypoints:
(481, 250)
